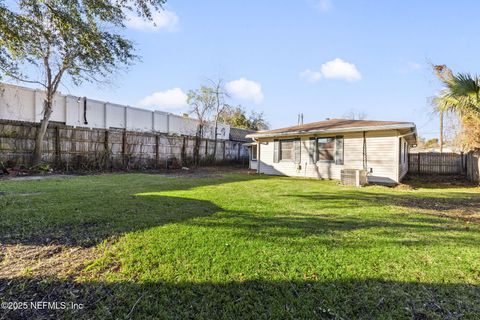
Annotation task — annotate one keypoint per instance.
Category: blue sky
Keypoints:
(323, 58)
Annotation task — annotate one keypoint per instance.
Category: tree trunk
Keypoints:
(441, 131)
(198, 140)
(215, 143)
(40, 134)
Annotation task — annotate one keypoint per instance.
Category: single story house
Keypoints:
(322, 149)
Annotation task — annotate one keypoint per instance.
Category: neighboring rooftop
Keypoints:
(237, 134)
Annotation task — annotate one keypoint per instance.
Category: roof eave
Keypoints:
(409, 125)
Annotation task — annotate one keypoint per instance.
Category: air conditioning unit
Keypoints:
(353, 177)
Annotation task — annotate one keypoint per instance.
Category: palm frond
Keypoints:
(461, 95)
(464, 85)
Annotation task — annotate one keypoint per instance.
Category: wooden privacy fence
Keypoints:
(67, 147)
(438, 163)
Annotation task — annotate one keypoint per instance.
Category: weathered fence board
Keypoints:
(80, 148)
(472, 166)
(438, 163)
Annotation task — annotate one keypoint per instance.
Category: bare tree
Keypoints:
(220, 93)
(353, 114)
(202, 102)
(444, 74)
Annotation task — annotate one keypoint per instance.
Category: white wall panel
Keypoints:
(139, 120)
(160, 121)
(115, 115)
(17, 103)
(25, 104)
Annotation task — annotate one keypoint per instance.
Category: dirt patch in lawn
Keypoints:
(436, 181)
(200, 172)
(38, 177)
(21, 260)
(466, 209)
(45, 273)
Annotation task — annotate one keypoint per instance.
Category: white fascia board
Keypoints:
(409, 125)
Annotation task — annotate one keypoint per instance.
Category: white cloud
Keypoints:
(339, 69)
(334, 69)
(245, 89)
(311, 76)
(169, 99)
(164, 19)
(323, 5)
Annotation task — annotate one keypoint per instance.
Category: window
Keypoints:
(326, 149)
(254, 153)
(286, 150)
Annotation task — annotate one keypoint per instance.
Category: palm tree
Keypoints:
(461, 95)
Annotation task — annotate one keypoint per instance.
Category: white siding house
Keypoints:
(322, 149)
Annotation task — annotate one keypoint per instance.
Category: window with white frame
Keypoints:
(287, 151)
(254, 152)
(326, 149)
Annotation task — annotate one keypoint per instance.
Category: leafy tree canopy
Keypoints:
(237, 117)
(44, 41)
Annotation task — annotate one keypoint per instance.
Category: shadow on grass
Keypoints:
(85, 214)
(257, 299)
(151, 212)
(440, 201)
(459, 205)
(335, 230)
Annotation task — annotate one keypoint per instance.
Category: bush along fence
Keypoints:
(70, 148)
(446, 163)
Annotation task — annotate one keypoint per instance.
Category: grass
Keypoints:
(239, 246)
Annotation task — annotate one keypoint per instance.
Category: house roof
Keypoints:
(338, 126)
(237, 134)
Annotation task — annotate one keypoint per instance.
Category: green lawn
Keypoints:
(239, 246)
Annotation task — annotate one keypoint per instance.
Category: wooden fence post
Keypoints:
(461, 163)
(157, 152)
(124, 148)
(106, 150)
(418, 162)
(184, 154)
(58, 151)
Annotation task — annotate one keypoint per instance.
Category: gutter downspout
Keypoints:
(365, 159)
(258, 155)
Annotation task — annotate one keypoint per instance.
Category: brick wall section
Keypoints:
(72, 148)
